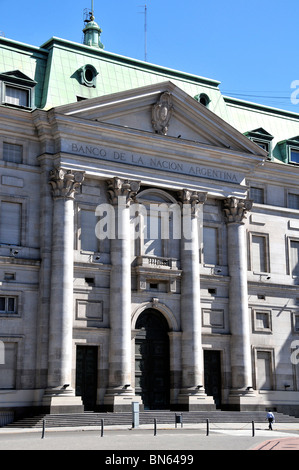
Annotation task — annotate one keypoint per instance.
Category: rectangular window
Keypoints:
(262, 321)
(16, 96)
(89, 241)
(294, 156)
(259, 258)
(293, 201)
(12, 153)
(263, 145)
(264, 370)
(294, 257)
(153, 240)
(257, 195)
(8, 369)
(8, 305)
(210, 245)
(10, 223)
(296, 323)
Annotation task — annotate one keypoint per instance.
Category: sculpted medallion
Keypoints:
(161, 114)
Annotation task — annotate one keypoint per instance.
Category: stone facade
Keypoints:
(149, 252)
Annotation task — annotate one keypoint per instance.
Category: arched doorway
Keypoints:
(152, 373)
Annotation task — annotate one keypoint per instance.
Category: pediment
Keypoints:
(139, 109)
(259, 133)
(18, 77)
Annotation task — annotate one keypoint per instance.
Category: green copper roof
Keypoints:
(58, 67)
(115, 73)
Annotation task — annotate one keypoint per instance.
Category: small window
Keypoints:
(294, 156)
(261, 296)
(89, 281)
(17, 89)
(16, 96)
(263, 145)
(12, 153)
(154, 285)
(293, 201)
(203, 99)
(261, 137)
(296, 323)
(88, 75)
(262, 321)
(257, 195)
(9, 276)
(8, 305)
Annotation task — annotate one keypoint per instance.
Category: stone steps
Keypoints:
(146, 417)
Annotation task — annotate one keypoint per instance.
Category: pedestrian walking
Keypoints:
(271, 419)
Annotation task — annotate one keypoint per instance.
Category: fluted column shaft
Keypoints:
(192, 354)
(241, 368)
(64, 184)
(121, 193)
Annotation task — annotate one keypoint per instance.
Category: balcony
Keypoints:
(157, 262)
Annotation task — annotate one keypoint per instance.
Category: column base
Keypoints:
(120, 399)
(195, 400)
(59, 401)
(243, 399)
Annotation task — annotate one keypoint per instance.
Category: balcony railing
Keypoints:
(157, 262)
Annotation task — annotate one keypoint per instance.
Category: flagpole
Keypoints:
(145, 33)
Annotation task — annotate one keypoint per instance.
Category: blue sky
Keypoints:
(252, 48)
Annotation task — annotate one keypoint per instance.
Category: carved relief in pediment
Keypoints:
(161, 114)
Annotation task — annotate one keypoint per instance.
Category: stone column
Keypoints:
(192, 395)
(120, 393)
(65, 184)
(241, 367)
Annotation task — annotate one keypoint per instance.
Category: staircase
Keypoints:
(147, 417)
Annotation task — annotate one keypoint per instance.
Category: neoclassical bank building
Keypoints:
(149, 237)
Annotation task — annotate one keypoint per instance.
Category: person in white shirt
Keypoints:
(271, 419)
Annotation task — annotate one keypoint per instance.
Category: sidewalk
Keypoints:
(192, 437)
(288, 443)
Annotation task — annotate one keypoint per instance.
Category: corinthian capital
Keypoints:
(235, 209)
(118, 187)
(65, 183)
(192, 197)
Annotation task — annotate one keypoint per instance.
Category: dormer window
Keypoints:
(261, 137)
(289, 150)
(203, 99)
(17, 90)
(88, 75)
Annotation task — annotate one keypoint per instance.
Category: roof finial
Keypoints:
(92, 31)
(92, 11)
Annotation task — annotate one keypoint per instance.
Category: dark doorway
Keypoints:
(212, 367)
(152, 373)
(87, 375)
